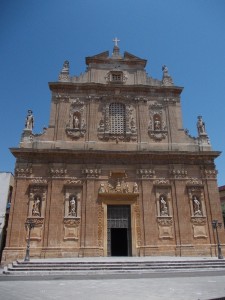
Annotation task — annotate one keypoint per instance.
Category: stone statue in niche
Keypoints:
(76, 122)
(197, 206)
(201, 126)
(73, 207)
(36, 210)
(163, 206)
(29, 124)
(157, 124)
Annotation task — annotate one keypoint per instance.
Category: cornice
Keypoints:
(64, 87)
(151, 156)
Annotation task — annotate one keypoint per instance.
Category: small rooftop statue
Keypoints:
(167, 79)
(65, 73)
(201, 126)
(29, 123)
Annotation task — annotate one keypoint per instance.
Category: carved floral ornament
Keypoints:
(157, 128)
(76, 126)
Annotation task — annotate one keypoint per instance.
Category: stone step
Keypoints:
(77, 267)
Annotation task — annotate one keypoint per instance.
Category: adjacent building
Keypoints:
(6, 189)
(114, 173)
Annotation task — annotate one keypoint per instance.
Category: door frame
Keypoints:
(121, 201)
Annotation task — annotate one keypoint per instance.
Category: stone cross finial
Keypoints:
(116, 41)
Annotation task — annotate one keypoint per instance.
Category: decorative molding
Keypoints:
(198, 220)
(210, 173)
(23, 172)
(36, 220)
(74, 181)
(91, 173)
(165, 227)
(119, 186)
(145, 173)
(194, 182)
(71, 221)
(100, 224)
(165, 220)
(58, 172)
(39, 180)
(178, 173)
(71, 228)
(138, 223)
(161, 182)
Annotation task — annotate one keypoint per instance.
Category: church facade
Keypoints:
(114, 173)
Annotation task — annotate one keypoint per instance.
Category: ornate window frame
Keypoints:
(130, 130)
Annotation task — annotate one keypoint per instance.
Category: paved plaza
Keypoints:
(174, 285)
(174, 288)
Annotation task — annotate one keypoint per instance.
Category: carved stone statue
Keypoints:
(36, 210)
(157, 124)
(76, 122)
(201, 126)
(102, 188)
(29, 124)
(135, 188)
(72, 207)
(197, 206)
(66, 66)
(163, 207)
(126, 188)
(118, 186)
(165, 70)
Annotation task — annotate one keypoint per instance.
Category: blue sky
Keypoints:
(36, 37)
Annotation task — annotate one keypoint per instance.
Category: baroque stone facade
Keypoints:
(114, 173)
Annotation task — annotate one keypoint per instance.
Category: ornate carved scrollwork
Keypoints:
(76, 127)
(157, 128)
